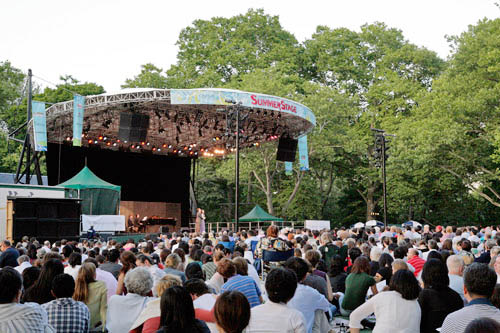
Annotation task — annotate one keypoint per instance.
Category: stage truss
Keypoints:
(198, 122)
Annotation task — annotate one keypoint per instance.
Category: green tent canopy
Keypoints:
(98, 196)
(257, 214)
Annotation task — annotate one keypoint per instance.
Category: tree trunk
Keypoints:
(370, 202)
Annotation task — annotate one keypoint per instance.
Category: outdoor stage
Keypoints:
(147, 140)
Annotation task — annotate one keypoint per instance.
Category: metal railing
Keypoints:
(244, 225)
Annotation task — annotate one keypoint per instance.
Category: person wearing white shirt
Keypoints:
(74, 264)
(306, 299)
(124, 310)
(455, 264)
(396, 310)
(24, 262)
(276, 315)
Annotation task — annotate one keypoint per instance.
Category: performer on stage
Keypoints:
(197, 224)
(202, 222)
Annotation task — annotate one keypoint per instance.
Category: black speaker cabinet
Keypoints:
(133, 127)
(287, 148)
(45, 219)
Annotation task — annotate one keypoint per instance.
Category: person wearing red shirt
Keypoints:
(415, 261)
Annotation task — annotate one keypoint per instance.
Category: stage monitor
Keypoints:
(133, 127)
(287, 147)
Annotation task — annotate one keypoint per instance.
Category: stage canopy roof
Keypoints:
(257, 214)
(98, 196)
(87, 179)
(185, 122)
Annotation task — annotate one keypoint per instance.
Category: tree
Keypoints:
(150, 77)
(458, 121)
(383, 74)
(215, 52)
(11, 85)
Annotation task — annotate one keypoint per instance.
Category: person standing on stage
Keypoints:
(197, 224)
(202, 221)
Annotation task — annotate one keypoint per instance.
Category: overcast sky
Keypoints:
(106, 41)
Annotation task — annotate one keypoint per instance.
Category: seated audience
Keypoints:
(396, 310)
(74, 264)
(65, 314)
(306, 299)
(479, 283)
(149, 319)
(232, 312)
(177, 313)
(124, 310)
(437, 299)
(483, 325)
(93, 293)
(24, 262)
(15, 317)
(455, 265)
(9, 255)
(111, 265)
(127, 258)
(39, 292)
(243, 284)
(357, 285)
(275, 315)
(172, 263)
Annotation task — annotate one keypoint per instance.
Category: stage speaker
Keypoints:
(287, 147)
(164, 229)
(46, 218)
(133, 127)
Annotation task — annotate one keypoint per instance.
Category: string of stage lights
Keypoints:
(189, 150)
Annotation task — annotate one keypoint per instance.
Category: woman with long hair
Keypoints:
(385, 268)
(93, 293)
(356, 286)
(399, 302)
(337, 274)
(177, 313)
(127, 258)
(74, 264)
(437, 299)
(39, 292)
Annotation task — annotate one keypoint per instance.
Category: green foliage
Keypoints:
(214, 52)
(150, 77)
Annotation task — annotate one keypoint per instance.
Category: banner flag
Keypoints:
(288, 168)
(303, 153)
(78, 110)
(39, 125)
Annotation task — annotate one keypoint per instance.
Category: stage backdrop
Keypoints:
(142, 177)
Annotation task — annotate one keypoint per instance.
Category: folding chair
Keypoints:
(229, 245)
(269, 257)
(253, 246)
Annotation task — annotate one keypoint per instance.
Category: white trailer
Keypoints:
(21, 190)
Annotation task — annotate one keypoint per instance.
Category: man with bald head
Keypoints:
(455, 264)
(415, 261)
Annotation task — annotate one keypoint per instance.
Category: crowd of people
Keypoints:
(410, 279)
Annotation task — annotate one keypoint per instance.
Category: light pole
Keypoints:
(380, 154)
(236, 112)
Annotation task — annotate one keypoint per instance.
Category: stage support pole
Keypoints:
(237, 169)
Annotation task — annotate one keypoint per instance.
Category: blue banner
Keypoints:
(288, 168)
(303, 153)
(39, 125)
(221, 97)
(78, 109)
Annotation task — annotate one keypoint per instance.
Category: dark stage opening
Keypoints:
(143, 177)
